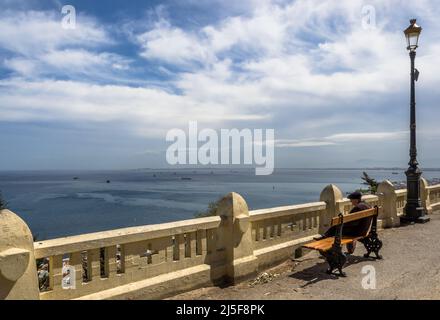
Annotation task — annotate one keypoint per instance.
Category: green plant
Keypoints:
(211, 211)
(370, 182)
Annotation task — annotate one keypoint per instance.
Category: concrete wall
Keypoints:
(156, 261)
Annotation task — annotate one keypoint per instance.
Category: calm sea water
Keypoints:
(54, 204)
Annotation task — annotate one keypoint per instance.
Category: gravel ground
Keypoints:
(410, 270)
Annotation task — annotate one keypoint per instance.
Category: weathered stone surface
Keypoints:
(240, 262)
(13, 263)
(330, 195)
(18, 271)
(388, 215)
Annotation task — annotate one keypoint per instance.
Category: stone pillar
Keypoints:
(424, 195)
(388, 215)
(330, 195)
(237, 238)
(18, 271)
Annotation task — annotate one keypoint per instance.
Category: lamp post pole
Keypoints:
(414, 212)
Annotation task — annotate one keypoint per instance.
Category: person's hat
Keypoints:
(355, 195)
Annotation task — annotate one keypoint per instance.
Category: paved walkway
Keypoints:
(410, 270)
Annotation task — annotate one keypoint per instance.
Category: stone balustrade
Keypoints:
(109, 259)
(400, 201)
(432, 198)
(277, 231)
(156, 261)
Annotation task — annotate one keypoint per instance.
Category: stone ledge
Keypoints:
(158, 287)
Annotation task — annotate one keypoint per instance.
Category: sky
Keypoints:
(330, 77)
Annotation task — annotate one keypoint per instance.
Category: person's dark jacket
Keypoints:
(361, 206)
(353, 228)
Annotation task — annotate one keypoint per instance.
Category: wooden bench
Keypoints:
(331, 247)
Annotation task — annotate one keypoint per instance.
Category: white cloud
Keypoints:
(39, 46)
(68, 62)
(300, 144)
(340, 138)
(172, 45)
(34, 32)
(367, 136)
(145, 111)
(291, 62)
(22, 65)
(302, 54)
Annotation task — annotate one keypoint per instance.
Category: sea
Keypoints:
(62, 203)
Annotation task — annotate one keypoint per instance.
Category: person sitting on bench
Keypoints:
(353, 228)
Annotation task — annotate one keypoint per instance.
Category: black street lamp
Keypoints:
(414, 212)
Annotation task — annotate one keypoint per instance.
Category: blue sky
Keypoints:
(333, 84)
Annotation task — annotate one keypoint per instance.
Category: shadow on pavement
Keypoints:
(318, 273)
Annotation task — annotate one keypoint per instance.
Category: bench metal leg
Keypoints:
(372, 242)
(336, 259)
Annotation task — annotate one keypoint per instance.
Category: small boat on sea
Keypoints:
(185, 178)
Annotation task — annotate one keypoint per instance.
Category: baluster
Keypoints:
(300, 223)
(169, 249)
(93, 264)
(181, 245)
(193, 243)
(201, 242)
(112, 263)
(55, 272)
(254, 232)
(258, 236)
(317, 220)
(272, 229)
(75, 261)
(187, 240)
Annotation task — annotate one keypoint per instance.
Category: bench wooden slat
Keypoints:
(323, 243)
(354, 216)
(327, 243)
